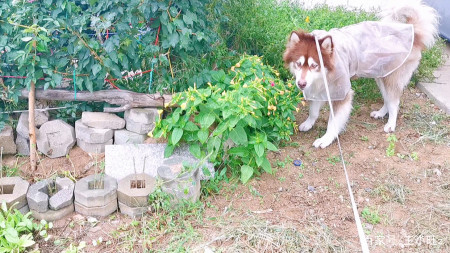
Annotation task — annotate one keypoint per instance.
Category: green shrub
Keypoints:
(241, 117)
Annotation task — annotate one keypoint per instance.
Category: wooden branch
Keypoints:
(125, 99)
(32, 125)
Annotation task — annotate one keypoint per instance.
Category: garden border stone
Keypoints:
(92, 135)
(95, 197)
(56, 138)
(135, 197)
(18, 194)
(103, 211)
(7, 140)
(133, 211)
(52, 215)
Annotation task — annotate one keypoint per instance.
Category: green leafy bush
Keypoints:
(16, 230)
(241, 117)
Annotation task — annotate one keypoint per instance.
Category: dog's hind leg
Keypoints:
(314, 110)
(342, 110)
(384, 110)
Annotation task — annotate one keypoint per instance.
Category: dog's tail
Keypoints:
(424, 19)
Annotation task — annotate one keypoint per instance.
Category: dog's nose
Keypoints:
(301, 84)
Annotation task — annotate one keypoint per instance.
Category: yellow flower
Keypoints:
(281, 92)
(289, 85)
(268, 114)
(277, 74)
(192, 98)
(245, 86)
(238, 65)
(183, 105)
(150, 134)
(288, 118)
(160, 112)
(307, 19)
(303, 103)
(297, 109)
(232, 68)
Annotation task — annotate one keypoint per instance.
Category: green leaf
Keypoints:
(239, 151)
(168, 151)
(207, 119)
(26, 39)
(250, 121)
(203, 135)
(259, 149)
(221, 128)
(246, 173)
(176, 135)
(190, 126)
(11, 235)
(194, 148)
(96, 68)
(271, 146)
(174, 38)
(266, 166)
(239, 136)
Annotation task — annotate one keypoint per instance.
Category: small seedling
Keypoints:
(334, 159)
(364, 138)
(415, 156)
(371, 215)
(390, 150)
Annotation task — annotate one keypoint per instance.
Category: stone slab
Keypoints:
(439, 89)
(139, 128)
(52, 215)
(95, 197)
(13, 190)
(92, 135)
(7, 140)
(96, 148)
(141, 115)
(55, 138)
(119, 159)
(102, 120)
(133, 211)
(135, 197)
(23, 126)
(128, 137)
(23, 145)
(105, 210)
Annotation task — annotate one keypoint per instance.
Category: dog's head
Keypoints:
(302, 59)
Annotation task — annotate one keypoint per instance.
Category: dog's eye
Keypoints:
(298, 64)
(313, 66)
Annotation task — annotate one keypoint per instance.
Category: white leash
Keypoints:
(362, 237)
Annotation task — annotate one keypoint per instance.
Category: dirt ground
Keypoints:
(303, 208)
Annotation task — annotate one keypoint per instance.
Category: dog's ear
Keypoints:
(326, 44)
(294, 38)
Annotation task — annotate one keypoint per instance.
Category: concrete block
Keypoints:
(22, 126)
(93, 147)
(7, 140)
(52, 215)
(139, 128)
(13, 190)
(105, 210)
(24, 210)
(127, 137)
(178, 182)
(119, 159)
(96, 190)
(92, 135)
(40, 117)
(64, 194)
(55, 138)
(102, 120)
(133, 211)
(23, 145)
(142, 115)
(134, 189)
(37, 196)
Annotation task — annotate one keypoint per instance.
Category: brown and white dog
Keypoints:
(352, 52)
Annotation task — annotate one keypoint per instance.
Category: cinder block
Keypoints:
(92, 135)
(105, 210)
(127, 137)
(102, 120)
(134, 189)
(55, 138)
(88, 195)
(93, 147)
(13, 190)
(7, 140)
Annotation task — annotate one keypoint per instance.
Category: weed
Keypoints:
(364, 138)
(392, 192)
(371, 215)
(254, 192)
(334, 159)
(390, 150)
(415, 156)
(282, 179)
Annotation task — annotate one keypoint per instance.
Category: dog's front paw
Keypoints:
(389, 128)
(323, 142)
(305, 126)
(378, 114)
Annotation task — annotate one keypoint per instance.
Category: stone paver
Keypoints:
(93, 147)
(23, 145)
(39, 199)
(119, 159)
(92, 135)
(13, 190)
(88, 196)
(37, 196)
(181, 184)
(127, 137)
(64, 196)
(7, 140)
(55, 138)
(132, 196)
(102, 120)
(439, 89)
(141, 115)
(133, 211)
(139, 128)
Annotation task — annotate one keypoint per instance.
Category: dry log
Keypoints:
(125, 99)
